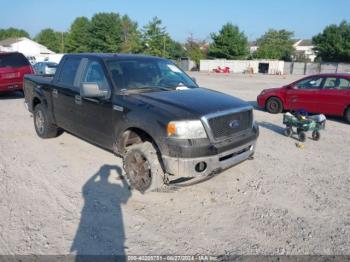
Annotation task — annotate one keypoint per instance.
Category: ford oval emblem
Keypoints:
(234, 123)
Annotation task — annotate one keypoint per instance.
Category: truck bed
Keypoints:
(39, 79)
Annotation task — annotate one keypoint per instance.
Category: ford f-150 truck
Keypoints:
(146, 110)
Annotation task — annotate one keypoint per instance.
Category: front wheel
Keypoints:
(302, 136)
(288, 132)
(143, 169)
(43, 126)
(274, 105)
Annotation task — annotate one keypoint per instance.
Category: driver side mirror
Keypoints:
(292, 87)
(92, 90)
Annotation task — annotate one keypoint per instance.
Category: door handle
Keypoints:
(78, 100)
(54, 92)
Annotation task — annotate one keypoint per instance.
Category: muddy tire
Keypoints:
(274, 105)
(43, 126)
(143, 170)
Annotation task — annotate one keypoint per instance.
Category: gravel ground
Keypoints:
(64, 195)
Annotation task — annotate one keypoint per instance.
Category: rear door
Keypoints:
(64, 92)
(302, 95)
(334, 96)
(94, 115)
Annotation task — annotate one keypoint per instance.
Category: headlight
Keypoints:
(190, 129)
(262, 92)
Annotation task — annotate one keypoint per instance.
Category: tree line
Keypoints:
(115, 33)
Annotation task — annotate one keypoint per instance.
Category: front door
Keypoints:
(94, 115)
(302, 95)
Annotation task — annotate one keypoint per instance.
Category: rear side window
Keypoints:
(336, 83)
(69, 70)
(13, 60)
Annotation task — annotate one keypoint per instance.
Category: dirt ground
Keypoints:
(64, 195)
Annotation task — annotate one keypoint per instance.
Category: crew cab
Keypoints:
(328, 94)
(13, 67)
(146, 110)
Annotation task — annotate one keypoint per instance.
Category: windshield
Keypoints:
(148, 73)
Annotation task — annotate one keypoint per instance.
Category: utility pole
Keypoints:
(62, 43)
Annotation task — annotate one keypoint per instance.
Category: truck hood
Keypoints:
(195, 102)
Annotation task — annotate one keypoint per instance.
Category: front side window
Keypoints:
(69, 70)
(310, 83)
(94, 74)
(148, 73)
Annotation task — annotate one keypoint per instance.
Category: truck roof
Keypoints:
(111, 55)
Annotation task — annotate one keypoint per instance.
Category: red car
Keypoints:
(325, 93)
(13, 67)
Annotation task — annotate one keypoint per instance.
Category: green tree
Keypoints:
(155, 38)
(105, 33)
(275, 44)
(131, 37)
(12, 32)
(50, 39)
(333, 44)
(174, 49)
(78, 38)
(229, 43)
(195, 49)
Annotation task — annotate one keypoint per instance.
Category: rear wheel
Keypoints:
(43, 126)
(302, 136)
(347, 115)
(274, 105)
(316, 135)
(143, 169)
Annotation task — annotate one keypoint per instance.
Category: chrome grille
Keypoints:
(230, 124)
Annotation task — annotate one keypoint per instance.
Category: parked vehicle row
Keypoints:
(148, 111)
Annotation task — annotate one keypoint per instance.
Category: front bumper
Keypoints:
(186, 167)
(261, 101)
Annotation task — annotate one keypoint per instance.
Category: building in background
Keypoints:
(25, 46)
(34, 51)
(253, 46)
(304, 50)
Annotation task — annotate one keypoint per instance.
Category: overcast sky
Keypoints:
(305, 17)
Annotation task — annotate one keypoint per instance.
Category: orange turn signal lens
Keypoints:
(171, 129)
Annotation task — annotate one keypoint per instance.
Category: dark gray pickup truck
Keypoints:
(146, 110)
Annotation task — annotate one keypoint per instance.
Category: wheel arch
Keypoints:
(133, 135)
(344, 112)
(35, 101)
